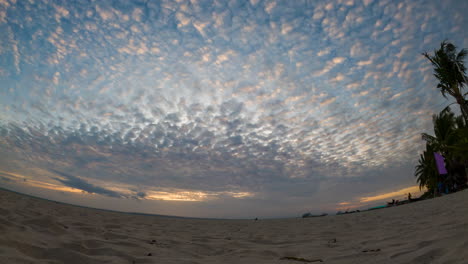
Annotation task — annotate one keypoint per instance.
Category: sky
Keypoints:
(224, 109)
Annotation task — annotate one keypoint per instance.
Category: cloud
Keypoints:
(330, 65)
(105, 13)
(184, 20)
(323, 52)
(328, 101)
(364, 63)
(219, 98)
(78, 183)
(339, 77)
(368, 2)
(338, 60)
(137, 14)
(269, 6)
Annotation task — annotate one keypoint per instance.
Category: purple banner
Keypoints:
(440, 163)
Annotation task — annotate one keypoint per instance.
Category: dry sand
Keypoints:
(39, 231)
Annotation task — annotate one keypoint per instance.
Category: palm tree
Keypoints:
(450, 140)
(461, 148)
(459, 155)
(445, 130)
(426, 171)
(450, 70)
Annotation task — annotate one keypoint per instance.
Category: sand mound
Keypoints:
(39, 231)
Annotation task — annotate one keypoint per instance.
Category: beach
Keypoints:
(41, 231)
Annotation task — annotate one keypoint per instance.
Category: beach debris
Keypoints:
(371, 250)
(332, 243)
(301, 259)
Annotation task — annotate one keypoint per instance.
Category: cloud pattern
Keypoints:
(78, 183)
(269, 98)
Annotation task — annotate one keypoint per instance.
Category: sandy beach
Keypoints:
(40, 231)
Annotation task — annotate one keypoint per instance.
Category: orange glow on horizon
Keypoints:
(362, 201)
(192, 196)
(390, 195)
(54, 187)
(162, 194)
(39, 184)
(183, 196)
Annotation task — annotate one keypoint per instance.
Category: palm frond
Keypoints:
(428, 138)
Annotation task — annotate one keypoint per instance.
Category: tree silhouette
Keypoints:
(449, 69)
